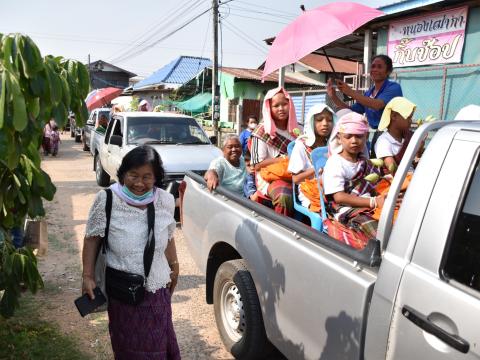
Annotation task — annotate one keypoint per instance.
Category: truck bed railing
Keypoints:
(385, 223)
(369, 256)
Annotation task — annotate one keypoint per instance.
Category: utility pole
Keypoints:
(89, 71)
(215, 87)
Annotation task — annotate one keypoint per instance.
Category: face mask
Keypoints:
(132, 196)
(252, 126)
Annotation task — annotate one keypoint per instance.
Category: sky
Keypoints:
(135, 35)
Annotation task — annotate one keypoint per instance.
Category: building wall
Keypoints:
(425, 88)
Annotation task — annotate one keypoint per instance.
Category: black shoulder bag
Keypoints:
(130, 288)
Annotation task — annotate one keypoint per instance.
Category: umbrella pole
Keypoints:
(335, 75)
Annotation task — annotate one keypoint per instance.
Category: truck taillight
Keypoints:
(181, 191)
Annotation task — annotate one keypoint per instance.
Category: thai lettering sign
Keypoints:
(434, 39)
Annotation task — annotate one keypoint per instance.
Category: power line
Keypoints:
(256, 6)
(254, 41)
(163, 25)
(240, 33)
(256, 11)
(258, 19)
(159, 25)
(148, 31)
(232, 29)
(148, 46)
(205, 40)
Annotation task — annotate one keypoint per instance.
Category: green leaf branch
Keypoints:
(33, 90)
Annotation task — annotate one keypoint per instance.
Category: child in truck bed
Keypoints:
(395, 122)
(269, 148)
(317, 129)
(351, 198)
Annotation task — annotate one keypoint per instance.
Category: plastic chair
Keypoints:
(315, 219)
(319, 158)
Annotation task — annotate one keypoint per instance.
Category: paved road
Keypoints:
(72, 173)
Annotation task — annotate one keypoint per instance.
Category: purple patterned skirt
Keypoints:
(144, 331)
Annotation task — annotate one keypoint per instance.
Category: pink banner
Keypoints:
(433, 39)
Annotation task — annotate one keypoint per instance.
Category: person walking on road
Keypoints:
(47, 134)
(144, 330)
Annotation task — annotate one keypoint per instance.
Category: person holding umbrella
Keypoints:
(374, 100)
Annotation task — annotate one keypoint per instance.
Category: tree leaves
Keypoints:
(33, 90)
(30, 57)
(17, 267)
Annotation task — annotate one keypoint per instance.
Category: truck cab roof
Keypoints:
(143, 114)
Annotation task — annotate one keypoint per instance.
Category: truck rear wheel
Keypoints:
(103, 179)
(237, 312)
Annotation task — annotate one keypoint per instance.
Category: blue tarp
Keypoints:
(179, 71)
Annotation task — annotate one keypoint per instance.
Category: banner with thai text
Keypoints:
(437, 38)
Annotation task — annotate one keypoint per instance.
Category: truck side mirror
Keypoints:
(116, 140)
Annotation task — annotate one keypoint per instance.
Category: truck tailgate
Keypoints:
(314, 299)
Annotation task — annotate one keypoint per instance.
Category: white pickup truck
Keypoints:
(180, 141)
(412, 293)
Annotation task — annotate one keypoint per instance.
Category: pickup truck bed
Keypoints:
(313, 297)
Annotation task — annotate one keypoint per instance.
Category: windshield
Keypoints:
(164, 130)
(104, 112)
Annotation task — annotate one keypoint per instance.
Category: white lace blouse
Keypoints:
(128, 235)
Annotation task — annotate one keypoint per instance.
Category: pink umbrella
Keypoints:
(101, 97)
(315, 29)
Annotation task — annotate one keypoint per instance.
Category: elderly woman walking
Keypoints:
(143, 330)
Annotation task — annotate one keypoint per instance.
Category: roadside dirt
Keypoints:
(71, 172)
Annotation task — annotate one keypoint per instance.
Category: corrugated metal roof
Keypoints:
(310, 100)
(99, 64)
(256, 74)
(179, 71)
(320, 63)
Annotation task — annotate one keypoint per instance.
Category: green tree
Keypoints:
(134, 103)
(33, 89)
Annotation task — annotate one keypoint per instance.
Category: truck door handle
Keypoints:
(424, 323)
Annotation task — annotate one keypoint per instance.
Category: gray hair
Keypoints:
(229, 137)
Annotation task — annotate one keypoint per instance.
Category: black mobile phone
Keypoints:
(85, 305)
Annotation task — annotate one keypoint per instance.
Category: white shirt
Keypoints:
(337, 171)
(299, 160)
(387, 145)
(128, 235)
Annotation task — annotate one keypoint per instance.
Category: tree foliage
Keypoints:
(33, 89)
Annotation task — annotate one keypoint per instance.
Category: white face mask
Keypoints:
(252, 126)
